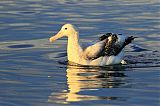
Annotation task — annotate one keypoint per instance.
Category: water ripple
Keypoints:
(35, 72)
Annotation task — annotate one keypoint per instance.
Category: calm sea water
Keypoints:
(33, 72)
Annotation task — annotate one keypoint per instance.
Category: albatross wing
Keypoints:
(107, 47)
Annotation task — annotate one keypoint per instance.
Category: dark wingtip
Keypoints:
(129, 40)
(135, 37)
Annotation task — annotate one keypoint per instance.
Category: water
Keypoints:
(33, 72)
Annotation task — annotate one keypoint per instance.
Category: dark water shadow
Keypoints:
(21, 46)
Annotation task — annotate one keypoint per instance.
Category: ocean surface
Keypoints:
(34, 72)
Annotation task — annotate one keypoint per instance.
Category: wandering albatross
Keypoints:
(108, 49)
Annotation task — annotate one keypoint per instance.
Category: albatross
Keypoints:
(107, 50)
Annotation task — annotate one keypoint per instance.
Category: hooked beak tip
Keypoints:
(51, 40)
(55, 37)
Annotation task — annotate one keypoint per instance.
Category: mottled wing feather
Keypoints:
(117, 48)
(105, 36)
(112, 49)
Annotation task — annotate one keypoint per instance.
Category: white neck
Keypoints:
(73, 49)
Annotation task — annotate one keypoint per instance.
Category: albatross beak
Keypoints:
(55, 37)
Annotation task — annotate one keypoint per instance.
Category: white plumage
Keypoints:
(108, 50)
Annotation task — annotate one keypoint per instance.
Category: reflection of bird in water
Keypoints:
(82, 79)
(107, 50)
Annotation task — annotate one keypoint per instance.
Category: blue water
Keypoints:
(34, 72)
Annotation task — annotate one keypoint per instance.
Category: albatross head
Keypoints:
(66, 30)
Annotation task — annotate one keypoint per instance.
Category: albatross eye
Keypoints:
(65, 28)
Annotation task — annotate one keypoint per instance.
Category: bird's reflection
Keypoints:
(80, 80)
